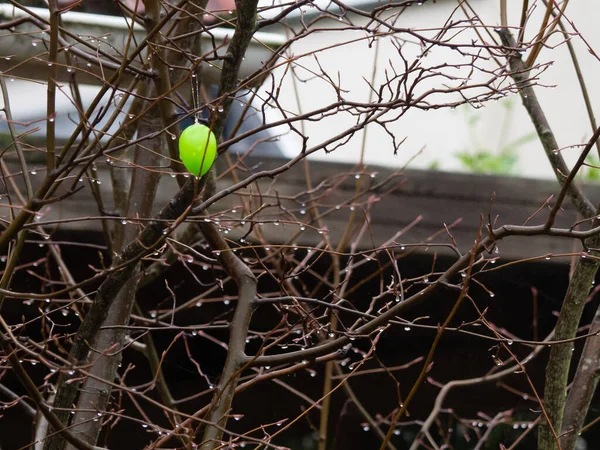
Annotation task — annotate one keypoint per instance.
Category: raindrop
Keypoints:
(34, 44)
(220, 108)
(123, 222)
(226, 302)
(33, 172)
(366, 428)
(357, 176)
(217, 253)
(198, 304)
(302, 211)
(406, 328)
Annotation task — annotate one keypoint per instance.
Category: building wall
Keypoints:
(435, 136)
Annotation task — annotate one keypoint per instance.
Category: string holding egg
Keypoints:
(197, 149)
(197, 143)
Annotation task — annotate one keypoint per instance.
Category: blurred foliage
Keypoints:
(591, 171)
(487, 162)
(481, 158)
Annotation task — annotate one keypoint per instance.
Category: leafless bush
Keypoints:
(284, 255)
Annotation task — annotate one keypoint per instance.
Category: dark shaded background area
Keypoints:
(458, 356)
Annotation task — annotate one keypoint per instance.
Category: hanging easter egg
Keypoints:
(197, 149)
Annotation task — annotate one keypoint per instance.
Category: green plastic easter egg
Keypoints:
(197, 149)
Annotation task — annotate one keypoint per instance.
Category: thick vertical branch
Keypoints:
(584, 272)
(95, 394)
(583, 387)
(145, 243)
(557, 370)
(520, 74)
(235, 267)
(246, 282)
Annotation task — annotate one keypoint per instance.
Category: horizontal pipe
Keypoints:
(23, 50)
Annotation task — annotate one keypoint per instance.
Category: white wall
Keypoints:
(438, 135)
